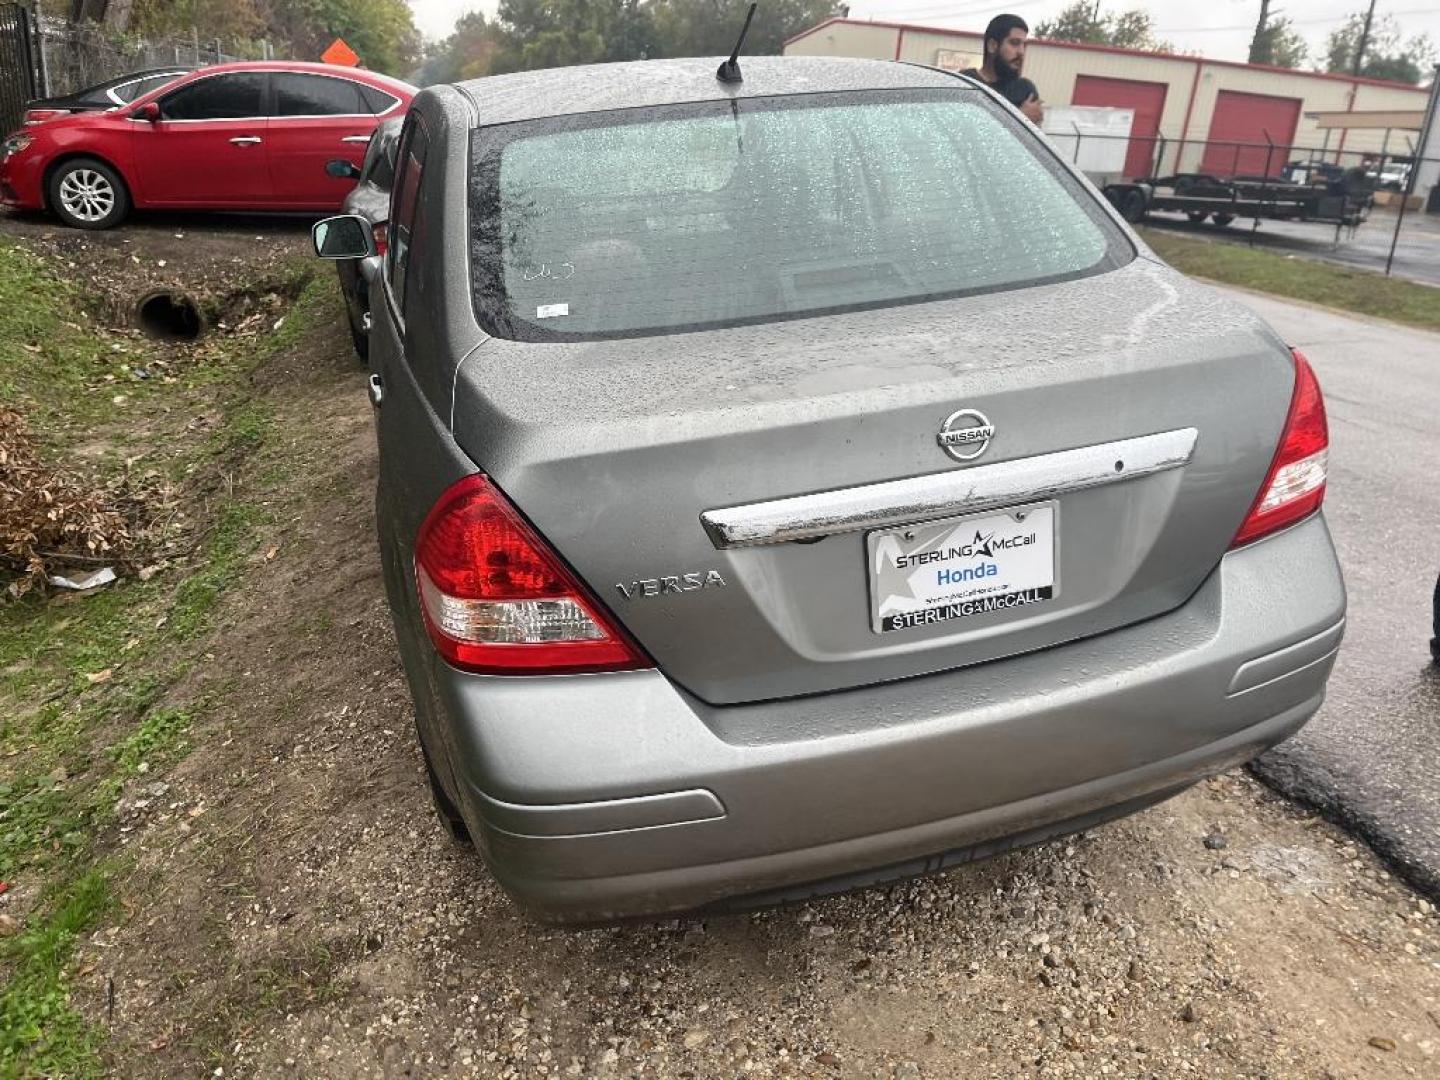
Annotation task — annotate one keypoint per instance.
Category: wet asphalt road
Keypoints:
(1370, 759)
(1417, 250)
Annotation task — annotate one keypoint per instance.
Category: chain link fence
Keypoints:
(1359, 207)
(75, 56)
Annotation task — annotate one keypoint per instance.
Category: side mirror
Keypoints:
(342, 169)
(149, 111)
(346, 236)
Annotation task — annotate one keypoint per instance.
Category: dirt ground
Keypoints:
(294, 908)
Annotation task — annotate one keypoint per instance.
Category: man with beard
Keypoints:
(1004, 56)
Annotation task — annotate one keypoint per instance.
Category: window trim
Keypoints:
(487, 143)
(120, 102)
(402, 149)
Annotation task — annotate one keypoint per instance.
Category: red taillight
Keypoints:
(381, 232)
(1295, 485)
(497, 600)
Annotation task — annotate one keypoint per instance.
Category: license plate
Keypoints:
(961, 567)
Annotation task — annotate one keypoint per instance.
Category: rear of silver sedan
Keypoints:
(821, 486)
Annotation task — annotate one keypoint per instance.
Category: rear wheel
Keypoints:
(359, 338)
(1132, 206)
(450, 818)
(1197, 216)
(88, 194)
(1223, 219)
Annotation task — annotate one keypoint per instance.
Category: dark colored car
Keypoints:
(371, 201)
(245, 136)
(110, 94)
(797, 483)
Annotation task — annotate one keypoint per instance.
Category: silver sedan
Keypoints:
(801, 482)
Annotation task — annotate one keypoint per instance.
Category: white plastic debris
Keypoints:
(84, 582)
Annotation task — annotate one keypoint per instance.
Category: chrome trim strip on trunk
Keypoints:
(946, 494)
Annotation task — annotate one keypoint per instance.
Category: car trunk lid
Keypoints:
(646, 460)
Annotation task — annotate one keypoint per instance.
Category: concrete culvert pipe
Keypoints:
(168, 316)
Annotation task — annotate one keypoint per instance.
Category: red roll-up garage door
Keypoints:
(1238, 133)
(1148, 101)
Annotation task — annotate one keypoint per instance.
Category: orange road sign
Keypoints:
(340, 53)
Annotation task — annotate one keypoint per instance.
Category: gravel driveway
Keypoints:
(295, 909)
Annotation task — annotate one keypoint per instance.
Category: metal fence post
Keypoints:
(41, 68)
(1395, 236)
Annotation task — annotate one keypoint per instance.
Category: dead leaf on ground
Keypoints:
(99, 676)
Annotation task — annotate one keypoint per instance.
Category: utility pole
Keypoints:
(1257, 42)
(1364, 40)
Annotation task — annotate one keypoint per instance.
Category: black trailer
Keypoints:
(1343, 200)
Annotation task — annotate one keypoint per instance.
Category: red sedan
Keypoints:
(250, 136)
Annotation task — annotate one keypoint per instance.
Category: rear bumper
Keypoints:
(595, 797)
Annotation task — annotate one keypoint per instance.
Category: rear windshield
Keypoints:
(687, 217)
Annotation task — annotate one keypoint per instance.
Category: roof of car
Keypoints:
(530, 95)
(146, 73)
(363, 74)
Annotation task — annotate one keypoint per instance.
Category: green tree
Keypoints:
(1386, 55)
(1134, 29)
(558, 33)
(382, 32)
(227, 19)
(468, 53)
(711, 27)
(1277, 43)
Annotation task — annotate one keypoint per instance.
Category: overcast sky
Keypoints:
(1218, 28)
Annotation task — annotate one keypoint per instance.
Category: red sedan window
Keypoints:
(219, 97)
(317, 95)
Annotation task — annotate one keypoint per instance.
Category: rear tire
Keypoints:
(358, 337)
(1223, 219)
(85, 193)
(450, 819)
(357, 303)
(1132, 206)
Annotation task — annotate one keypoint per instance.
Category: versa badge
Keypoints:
(673, 583)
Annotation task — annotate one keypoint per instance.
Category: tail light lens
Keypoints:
(1295, 485)
(381, 231)
(497, 600)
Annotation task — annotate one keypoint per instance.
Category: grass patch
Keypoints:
(53, 359)
(201, 590)
(84, 680)
(1362, 291)
(158, 735)
(40, 1033)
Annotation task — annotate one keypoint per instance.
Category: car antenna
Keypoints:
(730, 70)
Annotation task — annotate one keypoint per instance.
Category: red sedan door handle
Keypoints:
(356, 138)
(246, 140)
